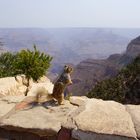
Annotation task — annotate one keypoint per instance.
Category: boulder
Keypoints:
(134, 111)
(17, 86)
(9, 86)
(103, 117)
(45, 120)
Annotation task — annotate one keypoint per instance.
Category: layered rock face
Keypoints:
(78, 119)
(133, 48)
(87, 73)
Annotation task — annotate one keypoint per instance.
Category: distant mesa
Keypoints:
(91, 71)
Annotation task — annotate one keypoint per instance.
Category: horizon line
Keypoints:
(69, 27)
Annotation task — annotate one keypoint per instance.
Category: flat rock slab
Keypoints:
(44, 120)
(104, 117)
(12, 99)
(134, 111)
(5, 108)
(87, 119)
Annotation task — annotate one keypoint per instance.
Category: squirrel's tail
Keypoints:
(43, 95)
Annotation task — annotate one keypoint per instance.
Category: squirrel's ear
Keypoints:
(66, 67)
(71, 69)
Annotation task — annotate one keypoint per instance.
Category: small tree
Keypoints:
(33, 64)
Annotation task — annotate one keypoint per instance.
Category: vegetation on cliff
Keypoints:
(124, 88)
(7, 60)
(32, 63)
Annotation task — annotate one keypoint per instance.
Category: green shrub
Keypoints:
(33, 64)
(7, 64)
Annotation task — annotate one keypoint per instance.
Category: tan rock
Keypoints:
(5, 107)
(9, 86)
(12, 99)
(37, 118)
(78, 100)
(134, 111)
(43, 120)
(89, 119)
(8, 102)
(12, 86)
(105, 117)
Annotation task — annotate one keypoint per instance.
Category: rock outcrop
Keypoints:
(9, 86)
(88, 72)
(133, 48)
(135, 113)
(80, 118)
(15, 86)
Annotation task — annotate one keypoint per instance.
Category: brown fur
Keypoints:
(42, 95)
(61, 83)
(58, 90)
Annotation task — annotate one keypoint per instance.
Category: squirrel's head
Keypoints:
(68, 69)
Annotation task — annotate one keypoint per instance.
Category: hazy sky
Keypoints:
(70, 13)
